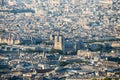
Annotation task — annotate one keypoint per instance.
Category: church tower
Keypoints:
(59, 42)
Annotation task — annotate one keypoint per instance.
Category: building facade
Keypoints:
(9, 41)
(59, 43)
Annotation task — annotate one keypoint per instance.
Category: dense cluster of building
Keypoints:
(59, 39)
(85, 65)
(74, 18)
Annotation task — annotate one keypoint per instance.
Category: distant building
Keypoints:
(77, 2)
(79, 45)
(116, 12)
(9, 41)
(51, 37)
(115, 44)
(2, 2)
(69, 47)
(82, 53)
(54, 2)
(59, 42)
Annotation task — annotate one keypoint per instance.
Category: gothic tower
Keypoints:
(59, 42)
